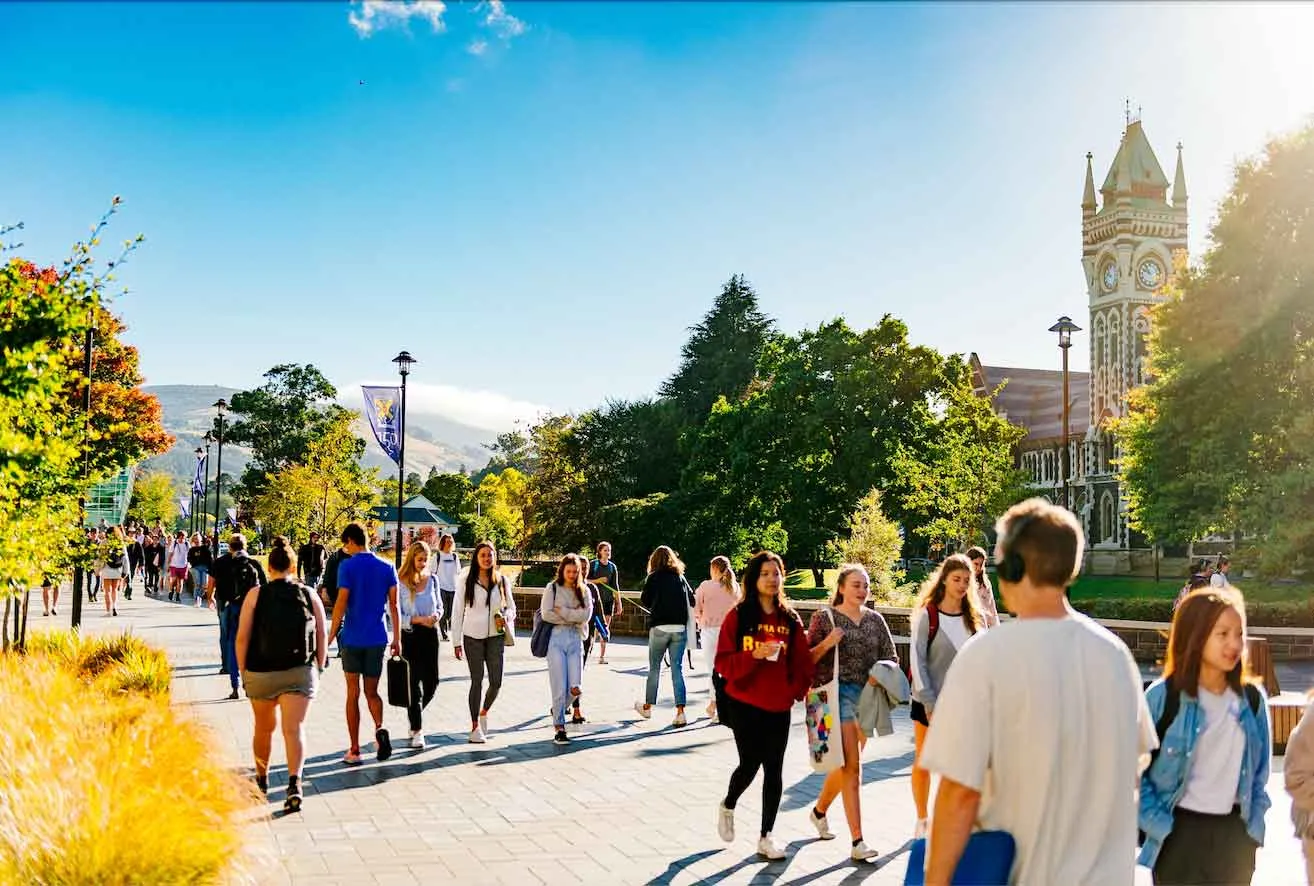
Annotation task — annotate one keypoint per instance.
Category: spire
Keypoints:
(1123, 169)
(1179, 182)
(1088, 196)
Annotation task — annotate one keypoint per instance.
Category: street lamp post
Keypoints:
(81, 576)
(222, 406)
(205, 485)
(1064, 327)
(404, 363)
(197, 504)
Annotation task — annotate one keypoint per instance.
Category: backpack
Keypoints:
(115, 559)
(245, 576)
(283, 630)
(1172, 703)
(933, 628)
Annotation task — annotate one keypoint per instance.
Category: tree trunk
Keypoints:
(819, 576)
(22, 627)
(4, 633)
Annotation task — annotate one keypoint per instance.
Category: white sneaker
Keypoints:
(680, 719)
(483, 723)
(920, 829)
(645, 713)
(417, 740)
(766, 848)
(477, 736)
(725, 823)
(602, 660)
(863, 852)
(821, 824)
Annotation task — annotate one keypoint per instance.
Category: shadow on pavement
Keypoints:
(804, 793)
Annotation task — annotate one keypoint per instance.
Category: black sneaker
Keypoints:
(262, 784)
(232, 696)
(577, 719)
(384, 743)
(561, 737)
(293, 801)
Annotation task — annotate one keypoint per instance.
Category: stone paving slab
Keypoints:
(629, 801)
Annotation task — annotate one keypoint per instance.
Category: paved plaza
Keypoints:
(629, 801)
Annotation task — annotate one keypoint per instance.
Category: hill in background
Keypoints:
(189, 413)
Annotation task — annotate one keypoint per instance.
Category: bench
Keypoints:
(1284, 712)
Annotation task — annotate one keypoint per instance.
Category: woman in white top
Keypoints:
(484, 612)
(448, 572)
(568, 607)
(712, 600)
(985, 594)
(944, 618)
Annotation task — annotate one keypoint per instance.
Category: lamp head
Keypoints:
(404, 362)
(222, 405)
(1065, 327)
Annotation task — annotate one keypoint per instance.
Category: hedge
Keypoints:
(1259, 614)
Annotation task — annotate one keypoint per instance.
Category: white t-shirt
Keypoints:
(1218, 580)
(178, 554)
(1211, 785)
(1045, 717)
(950, 625)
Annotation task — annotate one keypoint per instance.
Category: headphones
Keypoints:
(1013, 568)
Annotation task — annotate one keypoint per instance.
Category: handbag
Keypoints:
(542, 636)
(821, 714)
(399, 682)
(987, 860)
(508, 626)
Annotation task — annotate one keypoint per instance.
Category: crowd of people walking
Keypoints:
(1087, 774)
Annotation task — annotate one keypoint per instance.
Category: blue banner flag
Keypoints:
(383, 406)
(198, 481)
(186, 507)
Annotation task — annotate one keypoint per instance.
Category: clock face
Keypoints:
(1150, 274)
(1109, 277)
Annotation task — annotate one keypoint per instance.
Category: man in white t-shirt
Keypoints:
(1041, 729)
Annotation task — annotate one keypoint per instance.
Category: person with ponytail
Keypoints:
(763, 654)
(282, 648)
(713, 599)
(985, 594)
(421, 609)
(943, 619)
(568, 607)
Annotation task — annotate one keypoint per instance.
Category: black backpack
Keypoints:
(115, 559)
(283, 630)
(245, 575)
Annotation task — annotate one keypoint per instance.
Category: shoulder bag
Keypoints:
(538, 642)
(822, 716)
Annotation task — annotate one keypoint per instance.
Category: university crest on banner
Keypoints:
(383, 407)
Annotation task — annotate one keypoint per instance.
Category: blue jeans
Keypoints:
(658, 642)
(199, 575)
(219, 607)
(565, 660)
(228, 631)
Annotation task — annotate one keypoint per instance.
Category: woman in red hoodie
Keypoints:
(763, 654)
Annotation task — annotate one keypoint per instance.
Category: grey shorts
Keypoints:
(269, 685)
(364, 660)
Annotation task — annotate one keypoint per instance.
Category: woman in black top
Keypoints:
(669, 600)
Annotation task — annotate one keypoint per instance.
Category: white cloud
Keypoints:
(368, 16)
(487, 410)
(500, 21)
(478, 46)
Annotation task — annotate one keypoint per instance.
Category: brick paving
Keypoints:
(629, 801)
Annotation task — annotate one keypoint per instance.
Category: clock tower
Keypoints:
(1130, 240)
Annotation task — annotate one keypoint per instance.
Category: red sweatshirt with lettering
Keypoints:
(769, 685)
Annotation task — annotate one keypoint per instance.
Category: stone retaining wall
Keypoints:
(1148, 641)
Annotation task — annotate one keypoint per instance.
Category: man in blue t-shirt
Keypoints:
(366, 585)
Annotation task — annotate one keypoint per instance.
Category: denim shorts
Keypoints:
(364, 660)
(849, 694)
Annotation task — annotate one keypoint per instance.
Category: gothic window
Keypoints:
(1108, 517)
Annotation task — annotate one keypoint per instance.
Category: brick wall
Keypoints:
(1148, 641)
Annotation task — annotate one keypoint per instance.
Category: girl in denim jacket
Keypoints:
(1204, 796)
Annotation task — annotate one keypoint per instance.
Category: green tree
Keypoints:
(720, 357)
(280, 419)
(154, 499)
(512, 449)
(454, 495)
(1222, 438)
(557, 515)
(873, 540)
(500, 499)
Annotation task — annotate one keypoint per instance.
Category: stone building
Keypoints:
(1132, 234)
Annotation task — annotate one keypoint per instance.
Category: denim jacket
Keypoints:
(1164, 783)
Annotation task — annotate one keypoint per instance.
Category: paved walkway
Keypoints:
(628, 802)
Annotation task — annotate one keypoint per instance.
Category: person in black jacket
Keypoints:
(310, 561)
(668, 598)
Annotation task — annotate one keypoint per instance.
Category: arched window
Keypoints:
(1108, 517)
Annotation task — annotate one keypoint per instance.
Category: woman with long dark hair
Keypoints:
(568, 607)
(420, 610)
(849, 638)
(943, 619)
(485, 610)
(668, 599)
(1204, 796)
(763, 655)
(985, 594)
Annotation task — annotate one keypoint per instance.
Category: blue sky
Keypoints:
(537, 199)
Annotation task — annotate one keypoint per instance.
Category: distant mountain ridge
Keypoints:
(188, 412)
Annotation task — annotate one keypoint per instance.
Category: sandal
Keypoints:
(352, 758)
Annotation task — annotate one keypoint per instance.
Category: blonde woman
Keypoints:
(568, 607)
(712, 600)
(945, 617)
(421, 609)
(667, 597)
(848, 639)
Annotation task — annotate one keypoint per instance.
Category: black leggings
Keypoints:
(478, 653)
(760, 737)
(449, 600)
(420, 649)
(1206, 849)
